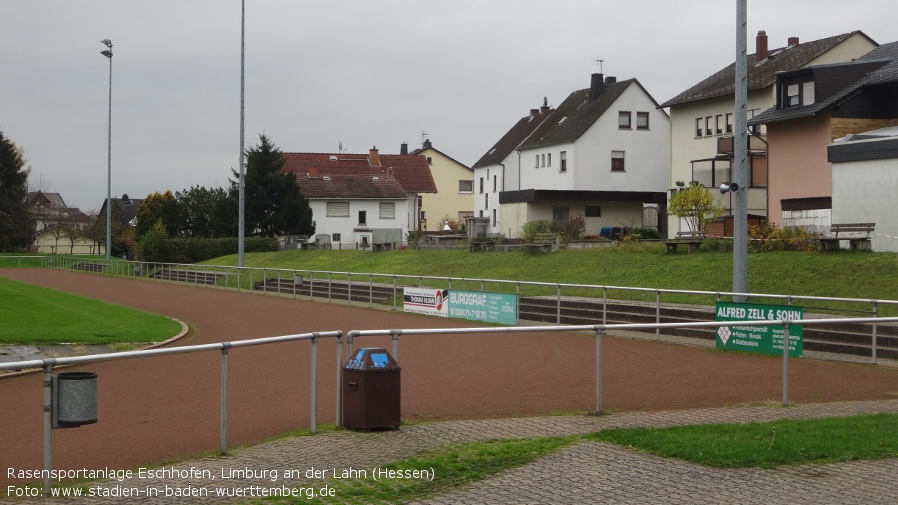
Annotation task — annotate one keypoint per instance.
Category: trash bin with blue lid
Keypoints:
(371, 390)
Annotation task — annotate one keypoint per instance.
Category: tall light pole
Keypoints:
(241, 218)
(108, 53)
(740, 155)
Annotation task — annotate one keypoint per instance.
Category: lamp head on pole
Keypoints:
(107, 53)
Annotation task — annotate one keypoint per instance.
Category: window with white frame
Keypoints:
(537, 165)
(698, 127)
(337, 209)
(465, 186)
(563, 167)
(387, 210)
(549, 159)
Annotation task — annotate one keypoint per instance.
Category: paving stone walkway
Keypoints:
(586, 472)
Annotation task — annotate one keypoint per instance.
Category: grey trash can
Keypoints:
(74, 399)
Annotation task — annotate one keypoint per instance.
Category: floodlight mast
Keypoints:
(108, 54)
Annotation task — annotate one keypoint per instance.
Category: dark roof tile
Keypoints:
(760, 74)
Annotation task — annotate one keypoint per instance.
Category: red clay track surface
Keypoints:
(157, 408)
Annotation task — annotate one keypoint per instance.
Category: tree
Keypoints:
(205, 213)
(15, 229)
(273, 202)
(155, 208)
(696, 205)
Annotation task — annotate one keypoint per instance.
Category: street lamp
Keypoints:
(108, 53)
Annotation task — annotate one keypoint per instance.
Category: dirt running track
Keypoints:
(151, 409)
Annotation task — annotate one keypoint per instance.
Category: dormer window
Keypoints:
(792, 97)
(795, 94)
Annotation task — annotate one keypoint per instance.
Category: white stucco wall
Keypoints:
(589, 157)
(348, 227)
(864, 192)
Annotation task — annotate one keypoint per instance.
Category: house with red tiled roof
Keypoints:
(353, 196)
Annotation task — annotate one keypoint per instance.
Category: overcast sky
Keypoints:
(361, 72)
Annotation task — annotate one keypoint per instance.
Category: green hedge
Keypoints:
(158, 247)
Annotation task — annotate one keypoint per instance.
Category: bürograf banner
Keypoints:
(471, 305)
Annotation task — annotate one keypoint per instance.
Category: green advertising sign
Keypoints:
(487, 307)
(764, 339)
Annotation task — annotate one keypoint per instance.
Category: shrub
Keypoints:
(767, 237)
(569, 229)
(644, 234)
(532, 228)
(716, 244)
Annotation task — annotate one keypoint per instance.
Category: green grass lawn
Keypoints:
(840, 274)
(763, 445)
(40, 316)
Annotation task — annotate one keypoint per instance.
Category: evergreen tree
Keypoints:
(15, 229)
(273, 204)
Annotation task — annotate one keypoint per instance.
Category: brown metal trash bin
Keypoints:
(371, 395)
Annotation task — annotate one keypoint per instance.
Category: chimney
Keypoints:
(793, 41)
(403, 148)
(761, 46)
(373, 157)
(596, 86)
(125, 199)
(545, 107)
(313, 172)
(534, 112)
(610, 80)
(426, 144)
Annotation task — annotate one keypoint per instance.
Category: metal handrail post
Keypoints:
(48, 425)
(558, 304)
(314, 386)
(223, 426)
(604, 304)
(658, 313)
(873, 343)
(785, 363)
(349, 287)
(394, 334)
(339, 419)
(599, 332)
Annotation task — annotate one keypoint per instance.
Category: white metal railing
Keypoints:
(600, 329)
(361, 286)
(48, 365)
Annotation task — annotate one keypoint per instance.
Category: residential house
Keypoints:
(500, 167)
(126, 205)
(352, 195)
(865, 182)
(602, 154)
(56, 226)
(454, 180)
(702, 116)
(815, 106)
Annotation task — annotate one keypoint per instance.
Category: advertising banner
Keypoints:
(471, 305)
(486, 307)
(763, 339)
(430, 301)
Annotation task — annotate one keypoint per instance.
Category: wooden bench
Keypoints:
(481, 244)
(543, 242)
(691, 239)
(857, 243)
